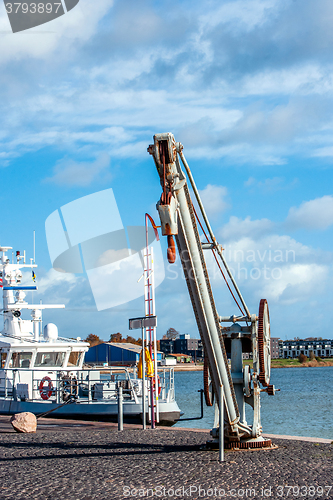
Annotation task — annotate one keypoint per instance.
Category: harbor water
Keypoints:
(303, 407)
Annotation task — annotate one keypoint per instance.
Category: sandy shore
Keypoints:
(184, 367)
(188, 367)
(309, 364)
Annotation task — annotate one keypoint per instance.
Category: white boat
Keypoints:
(43, 373)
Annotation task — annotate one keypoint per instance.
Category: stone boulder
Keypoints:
(24, 422)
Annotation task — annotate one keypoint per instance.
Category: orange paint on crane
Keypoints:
(171, 253)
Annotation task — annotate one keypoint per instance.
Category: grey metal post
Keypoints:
(58, 389)
(120, 409)
(221, 429)
(143, 380)
(89, 388)
(14, 385)
(237, 373)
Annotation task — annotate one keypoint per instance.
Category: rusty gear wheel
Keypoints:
(271, 390)
(264, 343)
(243, 445)
(208, 386)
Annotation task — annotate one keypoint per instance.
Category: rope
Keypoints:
(217, 262)
(56, 408)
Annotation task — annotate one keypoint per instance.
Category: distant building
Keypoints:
(293, 348)
(275, 347)
(182, 358)
(167, 346)
(193, 347)
(114, 353)
(183, 345)
(168, 361)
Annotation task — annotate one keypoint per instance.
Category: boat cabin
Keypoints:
(41, 357)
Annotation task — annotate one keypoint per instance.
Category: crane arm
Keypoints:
(178, 219)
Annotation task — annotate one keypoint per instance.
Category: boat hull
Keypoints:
(169, 413)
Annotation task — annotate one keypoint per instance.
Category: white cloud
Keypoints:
(72, 173)
(304, 79)
(323, 152)
(237, 228)
(213, 199)
(271, 249)
(296, 282)
(113, 80)
(241, 15)
(313, 214)
(53, 280)
(77, 319)
(270, 184)
(279, 124)
(59, 288)
(275, 267)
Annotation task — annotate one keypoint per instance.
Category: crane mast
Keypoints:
(178, 219)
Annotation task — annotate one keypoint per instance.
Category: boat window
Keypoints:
(20, 360)
(49, 359)
(75, 358)
(3, 359)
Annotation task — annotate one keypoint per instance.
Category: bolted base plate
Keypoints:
(241, 445)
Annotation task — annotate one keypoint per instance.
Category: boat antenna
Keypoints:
(34, 247)
(41, 318)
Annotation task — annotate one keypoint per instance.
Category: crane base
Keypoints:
(240, 445)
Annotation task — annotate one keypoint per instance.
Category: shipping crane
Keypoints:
(246, 332)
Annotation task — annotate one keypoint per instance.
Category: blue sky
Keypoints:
(246, 86)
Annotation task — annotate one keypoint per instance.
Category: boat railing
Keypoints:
(59, 385)
(167, 383)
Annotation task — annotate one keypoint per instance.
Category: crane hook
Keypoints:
(171, 253)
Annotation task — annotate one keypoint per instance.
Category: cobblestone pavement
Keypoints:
(60, 463)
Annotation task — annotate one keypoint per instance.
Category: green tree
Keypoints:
(116, 337)
(171, 334)
(93, 340)
(302, 358)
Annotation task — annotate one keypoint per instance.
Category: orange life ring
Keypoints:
(46, 391)
(158, 384)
